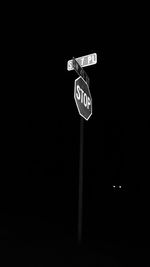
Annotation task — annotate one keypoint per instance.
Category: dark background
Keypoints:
(41, 199)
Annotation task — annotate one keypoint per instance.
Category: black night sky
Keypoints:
(42, 206)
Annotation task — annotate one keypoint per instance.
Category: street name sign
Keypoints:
(84, 61)
(83, 98)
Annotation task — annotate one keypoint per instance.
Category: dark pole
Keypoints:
(80, 200)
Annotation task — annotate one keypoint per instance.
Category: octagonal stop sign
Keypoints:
(83, 98)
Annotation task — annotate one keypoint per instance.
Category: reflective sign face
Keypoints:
(83, 61)
(83, 98)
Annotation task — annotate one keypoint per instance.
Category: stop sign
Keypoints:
(83, 98)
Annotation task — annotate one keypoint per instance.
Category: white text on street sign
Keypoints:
(83, 61)
(80, 95)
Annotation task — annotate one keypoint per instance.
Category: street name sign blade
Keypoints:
(84, 61)
(81, 72)
(83, 98)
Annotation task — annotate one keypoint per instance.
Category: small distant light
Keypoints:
(114, 186)
(119, 186)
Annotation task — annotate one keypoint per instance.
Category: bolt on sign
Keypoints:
(83, 61)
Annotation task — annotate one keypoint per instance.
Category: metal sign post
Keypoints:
(83, 101)
(80, 200)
